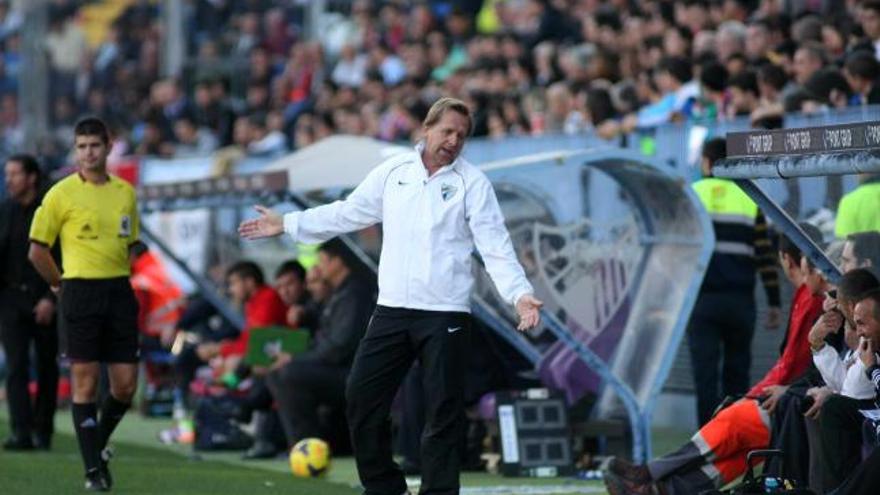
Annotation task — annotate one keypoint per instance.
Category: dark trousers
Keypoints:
(840, 432)
(394, 339)
(789, 435)
(19, 331)
(720, 339)
(680, 473)
(865, 480)
(412, 418)
(299, 388)
(185, 366)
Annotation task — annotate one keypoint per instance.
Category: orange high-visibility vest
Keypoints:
(164, 302)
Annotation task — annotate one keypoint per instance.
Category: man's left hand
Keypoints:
(280, 360)
(774, 392)
(867, 353)
(819, 395)
(44, 311)
(528, 309)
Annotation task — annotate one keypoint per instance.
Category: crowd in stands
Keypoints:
(255, 83)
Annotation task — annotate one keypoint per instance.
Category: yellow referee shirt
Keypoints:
(96, 223)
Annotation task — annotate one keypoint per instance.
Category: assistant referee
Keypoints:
(94, 214)
(435, 208)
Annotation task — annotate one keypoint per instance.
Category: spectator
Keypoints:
(710, 105)
(211, 111)
(167, 104)
(351, 68)
(731, 40)
(861, 250)
(389, 65)
(672, 78)
(757, 42)
(192, 141)
(807, 30)
(600, 112)
(266, 141)
(829, 87)
(744, 97)
(771, 83)
(561, 115)
(66, 45)
(808, 59)
(862, 71)
(550, 23)
(869, 18)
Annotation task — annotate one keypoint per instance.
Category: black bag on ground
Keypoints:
(762, 483)
(215, 426)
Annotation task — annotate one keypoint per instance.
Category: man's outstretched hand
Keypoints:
(527, 307)
(268, 224)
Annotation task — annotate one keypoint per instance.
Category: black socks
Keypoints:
(85, 420)
(92, 434)
(112, 412)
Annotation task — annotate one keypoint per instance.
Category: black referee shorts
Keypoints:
(99, 320)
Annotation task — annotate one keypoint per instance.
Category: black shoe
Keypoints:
(18, 443)
(42, 442)
(622, 486)
(260, 450)
(631, 472)
(103, 469)
(95, 482)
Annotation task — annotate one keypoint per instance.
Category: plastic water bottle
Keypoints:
(771, 485)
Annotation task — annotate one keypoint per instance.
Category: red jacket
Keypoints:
(263, 309)
(796, 356)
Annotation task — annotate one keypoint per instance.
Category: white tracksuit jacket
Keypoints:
(430, 228)
(844, 376)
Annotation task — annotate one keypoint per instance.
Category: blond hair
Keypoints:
(442, 105)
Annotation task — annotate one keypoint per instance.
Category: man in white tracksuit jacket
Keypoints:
(434, 207)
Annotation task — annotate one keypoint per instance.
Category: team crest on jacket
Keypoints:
(447, 191)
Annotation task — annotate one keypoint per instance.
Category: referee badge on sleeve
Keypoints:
(125, 226)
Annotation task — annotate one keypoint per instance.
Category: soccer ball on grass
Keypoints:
(310, 458)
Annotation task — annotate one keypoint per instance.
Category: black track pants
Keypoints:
(394, 339)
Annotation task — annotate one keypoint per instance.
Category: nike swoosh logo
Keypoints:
(453, 329)
(402, 183)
